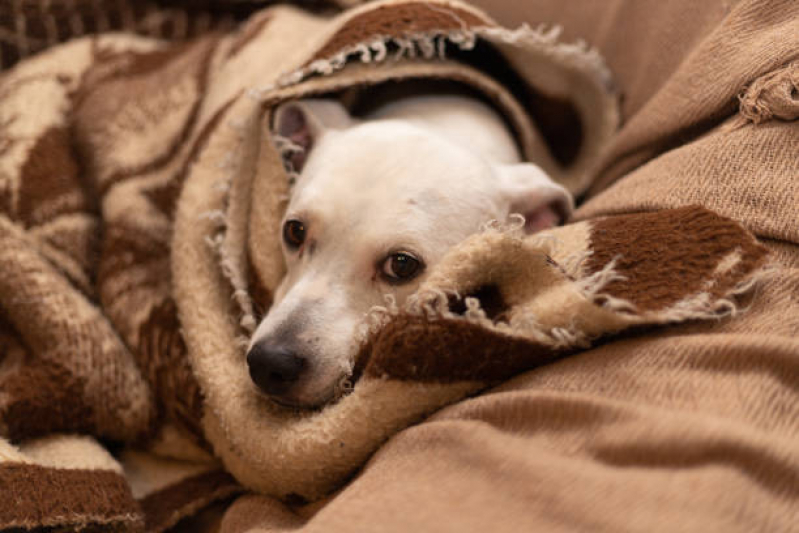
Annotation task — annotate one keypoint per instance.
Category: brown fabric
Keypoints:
(163, 355)
(400, 20)
(647, 246)
(680, 65)
(644, 41)
(34, 410)
(446, 351)
(710, 49)
(53, 170)
(30, 26)
(35, 496)
(164, 508)
(772, 96)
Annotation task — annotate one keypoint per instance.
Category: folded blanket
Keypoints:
(139, 206)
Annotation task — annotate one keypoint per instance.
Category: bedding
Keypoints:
(140, 205)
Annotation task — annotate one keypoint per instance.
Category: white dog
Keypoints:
(377, 202)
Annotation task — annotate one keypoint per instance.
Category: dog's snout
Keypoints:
(274, 369)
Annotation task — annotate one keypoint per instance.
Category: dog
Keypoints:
(377, 201)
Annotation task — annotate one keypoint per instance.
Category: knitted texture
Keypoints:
(133, 268)
(30, 26)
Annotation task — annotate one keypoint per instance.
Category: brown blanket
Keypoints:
(138, 358)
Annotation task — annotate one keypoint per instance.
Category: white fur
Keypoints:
(419, 175)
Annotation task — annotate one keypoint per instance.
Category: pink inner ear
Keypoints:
(294, 126)
(304, 140)
(542, 218)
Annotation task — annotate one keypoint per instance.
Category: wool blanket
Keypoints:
(141, 197)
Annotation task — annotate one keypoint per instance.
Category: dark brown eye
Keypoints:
(400, 267)
(294, 233)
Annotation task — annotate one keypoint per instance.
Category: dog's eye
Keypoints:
(400, 267)
(294, 233)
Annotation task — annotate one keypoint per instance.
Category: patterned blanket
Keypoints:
(140, 196)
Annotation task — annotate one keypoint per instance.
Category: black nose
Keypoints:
(273, 368)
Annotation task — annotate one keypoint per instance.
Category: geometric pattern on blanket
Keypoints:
(132, 264)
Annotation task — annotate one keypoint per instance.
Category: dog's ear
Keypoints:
(531, 193)
(302, 122)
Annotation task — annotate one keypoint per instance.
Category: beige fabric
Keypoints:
(64, 481)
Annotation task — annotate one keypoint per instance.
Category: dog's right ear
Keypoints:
(303, 122)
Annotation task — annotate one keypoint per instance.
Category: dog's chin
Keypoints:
(295, 405)
(303, 404)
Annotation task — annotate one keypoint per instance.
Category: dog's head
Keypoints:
(375, 206)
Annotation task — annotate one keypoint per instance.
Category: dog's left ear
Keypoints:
(531, 193)
(303, 122)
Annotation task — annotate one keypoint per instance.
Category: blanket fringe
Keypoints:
(433, 45)
(434, 303)
(230, 270)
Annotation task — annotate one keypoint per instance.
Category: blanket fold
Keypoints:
(139, 209)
